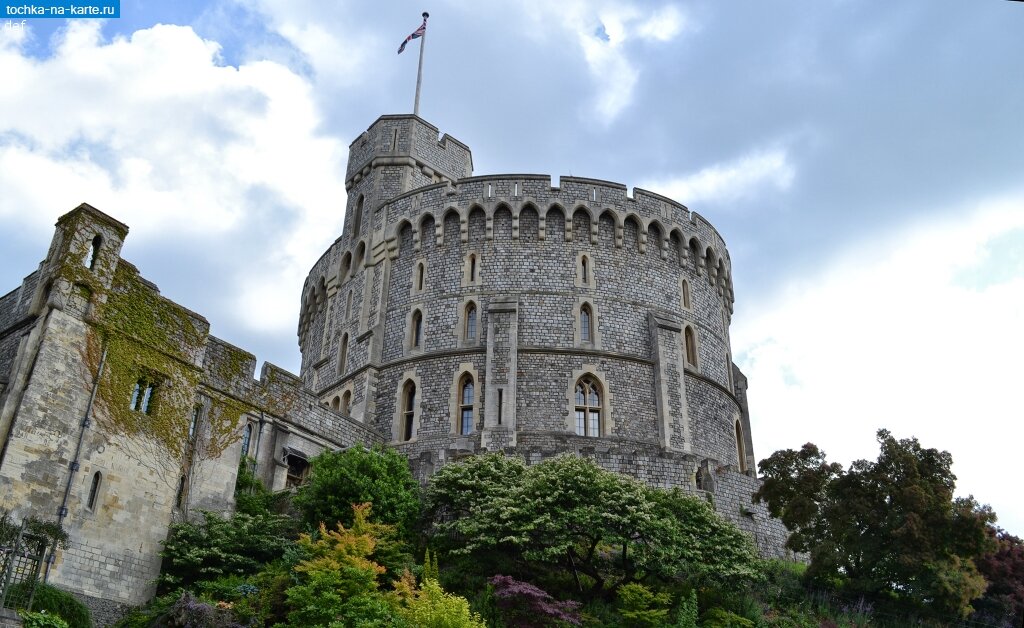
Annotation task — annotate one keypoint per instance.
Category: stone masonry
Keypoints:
(524, 290)
(454, 315)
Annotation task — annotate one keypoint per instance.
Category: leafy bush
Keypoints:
(145, 616)
(251, 497)
(338, 480)
(686, 616)
(523, 604)
(338, 580)
(431, 607)
(569, 515)
(190, 612)
(721, 618)
(250, 601)
(53, 601)
(642, 607)
(216, 546)
(49, 531)
(784, 582)
(42, 619)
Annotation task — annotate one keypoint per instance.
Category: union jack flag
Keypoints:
(419, 32)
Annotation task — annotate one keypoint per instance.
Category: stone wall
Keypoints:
(9, 619)
(69, 458)
(527, 257)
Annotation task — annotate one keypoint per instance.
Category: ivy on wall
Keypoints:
(149, 339)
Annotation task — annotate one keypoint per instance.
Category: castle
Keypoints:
(454, 315)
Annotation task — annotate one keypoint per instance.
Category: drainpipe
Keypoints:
(73, 467)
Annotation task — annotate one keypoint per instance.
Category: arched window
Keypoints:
(695, 254)
(470, 334)
(94, 252)
(741, 455)
(348, 305)
(408, 410)
(346, 403)
(357, 264)
(343, 355)
(421, 272)
(686, 294)
(472, 268)
(246, 439)
(588, 407)
(585, 270)
(466, 406)
(700, 479)
(94, 490)
(336, 403)
(586, 324)
(357, 220)
(416, 337)
(691, 347)
(346, 266)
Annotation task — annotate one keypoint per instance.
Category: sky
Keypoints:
(863, 160)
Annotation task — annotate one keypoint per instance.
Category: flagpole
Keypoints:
(419, 71)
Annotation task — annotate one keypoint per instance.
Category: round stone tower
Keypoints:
(460, 314)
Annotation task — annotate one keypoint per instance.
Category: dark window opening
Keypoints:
(470, 322)
(408, 411)
(246, 439)
(94, 490)
(466, 407)
(343, 355)
(298, 470)
(585, 324)
(179, 498)
(94, 252)
(417, 329)
(691, 347)
(357, 220)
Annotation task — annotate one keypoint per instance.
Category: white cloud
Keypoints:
(339, 51)
(741, 178)
(663, 25)
(890, 335)
(606, 32)
(154, 131)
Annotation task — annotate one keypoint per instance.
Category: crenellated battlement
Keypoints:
(523, 313)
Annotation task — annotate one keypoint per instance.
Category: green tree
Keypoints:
(339, 578)
(567, 513)
(890, 529)
(338, 480)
